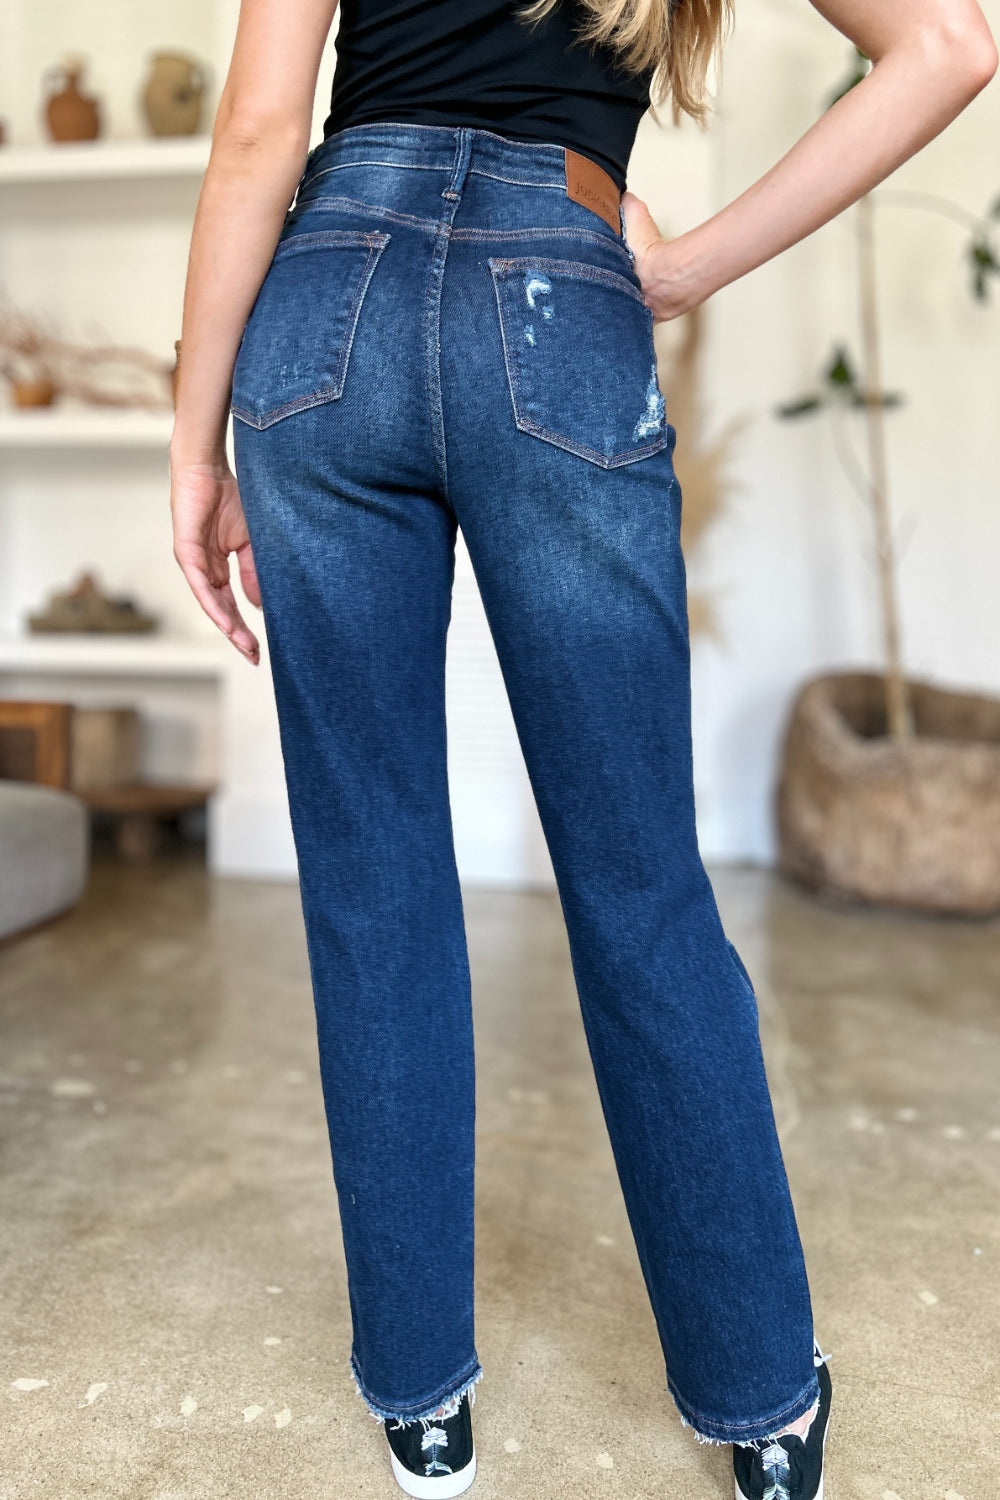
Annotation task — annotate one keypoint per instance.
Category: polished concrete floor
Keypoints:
(173, 1319)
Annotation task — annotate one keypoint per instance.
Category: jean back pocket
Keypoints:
(297, 340)
(581, 366)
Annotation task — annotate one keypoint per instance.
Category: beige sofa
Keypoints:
(44, 853)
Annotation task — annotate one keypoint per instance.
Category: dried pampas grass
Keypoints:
(98, 374)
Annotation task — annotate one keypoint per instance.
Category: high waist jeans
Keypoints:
(444, 338)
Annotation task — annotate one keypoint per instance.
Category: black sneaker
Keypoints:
(434, 1458)
(788, 1468)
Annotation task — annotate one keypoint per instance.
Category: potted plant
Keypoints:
(889, 788)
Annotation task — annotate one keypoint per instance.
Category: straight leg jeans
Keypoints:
(445, 339)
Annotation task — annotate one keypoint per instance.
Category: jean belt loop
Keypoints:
(460, 166)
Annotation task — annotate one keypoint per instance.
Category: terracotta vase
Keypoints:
(71, 114)
(174, 94)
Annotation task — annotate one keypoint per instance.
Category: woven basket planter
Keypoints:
(914, 824)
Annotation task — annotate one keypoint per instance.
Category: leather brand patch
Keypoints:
(590, 185)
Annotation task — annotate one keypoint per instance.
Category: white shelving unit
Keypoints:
(113, 656)
(93, 235)
(57, 427)
(105, 160)
(109, 161)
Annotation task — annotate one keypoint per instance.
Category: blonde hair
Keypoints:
(678, 39)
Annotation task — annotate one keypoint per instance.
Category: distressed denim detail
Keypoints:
(281, 366)
(353, 506)
(654, 412)
(445, 1404)
(745, 1434)
(608, 410)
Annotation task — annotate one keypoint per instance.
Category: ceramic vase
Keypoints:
(174, 94)
(70, 114)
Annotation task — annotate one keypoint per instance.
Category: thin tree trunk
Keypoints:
(898, 713)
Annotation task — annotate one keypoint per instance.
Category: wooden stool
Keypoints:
(140, 810)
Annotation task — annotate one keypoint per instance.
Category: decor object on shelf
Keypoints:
(913, 824)
(28, 352)
(70, 114)
(86, 609)
(884, 790)
(174, 94)
(29, 393)
(41, 366)
(105, 746)
(114, 375)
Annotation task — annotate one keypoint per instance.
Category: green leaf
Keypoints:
(841, 382)
(994, 212)
(860, 69)
(801, 408)
(839, 373)
(984, 266)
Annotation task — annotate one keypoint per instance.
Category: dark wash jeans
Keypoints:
(445, 339)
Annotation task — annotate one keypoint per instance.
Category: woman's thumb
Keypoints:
(641, 232)
(248, 573)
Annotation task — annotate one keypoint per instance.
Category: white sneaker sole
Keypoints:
(434, 1486)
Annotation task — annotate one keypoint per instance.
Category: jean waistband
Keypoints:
(461, 149)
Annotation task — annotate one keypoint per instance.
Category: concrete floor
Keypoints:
(173, 1318)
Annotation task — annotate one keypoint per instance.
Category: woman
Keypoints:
(452, 326)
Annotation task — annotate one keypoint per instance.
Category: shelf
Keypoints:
(114, 656)
(52, 427)
(166, 156)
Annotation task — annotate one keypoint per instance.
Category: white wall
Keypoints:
(788, 563)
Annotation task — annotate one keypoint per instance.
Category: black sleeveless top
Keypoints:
(473, 62)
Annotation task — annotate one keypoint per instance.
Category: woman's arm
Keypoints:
(259, 144)
(929, 59)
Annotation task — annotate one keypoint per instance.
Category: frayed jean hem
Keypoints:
(447, 1396)
(745, 1434)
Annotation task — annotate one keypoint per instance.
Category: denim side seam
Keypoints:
(447, 1396)
(745, 1434)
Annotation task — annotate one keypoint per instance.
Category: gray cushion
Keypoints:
(44, 853)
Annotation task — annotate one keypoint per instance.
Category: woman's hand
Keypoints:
(670, 286)
(209, 524)
(929, 59)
